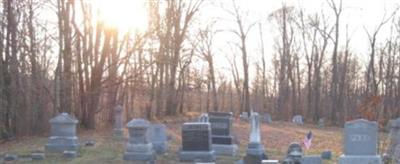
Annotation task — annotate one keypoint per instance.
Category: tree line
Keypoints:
(70, 61)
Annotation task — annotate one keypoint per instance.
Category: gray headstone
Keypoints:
(139, 147)
(298, 120)
(255, 152)
(196, 143)
(63, 134)
(70, 154)
(360, 137)
(394, 144)
(266, 118)
(221, 133)
(321, 123)
(10, 157)
(360, 143)
(159, 138)
(311, 159)
(118, 132)
(326, 155)
(37, 155)
(244, 116)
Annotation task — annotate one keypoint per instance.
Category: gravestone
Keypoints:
(255, 152)
(311, 159)
(38, 155)
(321, 123)
(70, 154)
(244, 116)
(10, 157)
(389, 125)
(360, 143)
(393, 151)
(139, 147)
(327, 155)
(294, 153)
(221, 133)
(159, 138)
(203, 117)
(298, 120)
(196, 143)
(267, 118)
(118, 131)
(63, 134)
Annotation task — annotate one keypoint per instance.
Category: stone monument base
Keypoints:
(255, 154)
(358, 159)
(61, 144)
(229, 150)
(196, 156)
(254, 159)
(256, 149)
(139, 152)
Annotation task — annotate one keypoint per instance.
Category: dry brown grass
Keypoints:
(276, 138)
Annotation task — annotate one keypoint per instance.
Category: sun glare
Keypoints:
(125, 15)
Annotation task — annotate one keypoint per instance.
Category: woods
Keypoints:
(61, 56)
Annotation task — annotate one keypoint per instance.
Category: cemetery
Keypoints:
(216, 137)
(200, 81)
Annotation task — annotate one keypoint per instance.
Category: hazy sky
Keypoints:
(357, 14)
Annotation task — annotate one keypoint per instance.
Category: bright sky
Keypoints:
(126, 14)
(356, 13)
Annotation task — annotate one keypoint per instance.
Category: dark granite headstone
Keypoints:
(196, 143)
(221, 132)
(196, 137)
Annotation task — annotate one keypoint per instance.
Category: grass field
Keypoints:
(276, 137)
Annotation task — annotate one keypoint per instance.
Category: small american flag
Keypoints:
(307, 140)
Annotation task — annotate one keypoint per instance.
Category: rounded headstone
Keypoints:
(138, 123)
(63, 118)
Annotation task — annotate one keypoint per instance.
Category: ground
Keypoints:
(275, 136)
